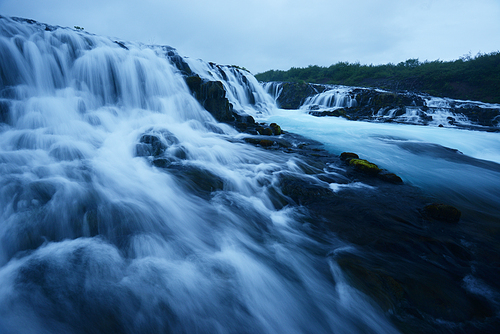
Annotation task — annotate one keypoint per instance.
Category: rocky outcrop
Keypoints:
(212, 96)
(442, 212)
(293, 94)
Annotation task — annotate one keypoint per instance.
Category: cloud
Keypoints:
(266, 34)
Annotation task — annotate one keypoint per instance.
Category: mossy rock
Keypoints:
(442, 212)
(276, 129)
(265, 131)
(364, 166)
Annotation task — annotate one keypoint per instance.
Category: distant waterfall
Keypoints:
(335, 97)
(126, 208)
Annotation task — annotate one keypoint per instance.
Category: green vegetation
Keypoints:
(467, 78)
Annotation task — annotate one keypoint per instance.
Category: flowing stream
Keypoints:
(97, 237)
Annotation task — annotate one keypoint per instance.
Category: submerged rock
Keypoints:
(442, 212)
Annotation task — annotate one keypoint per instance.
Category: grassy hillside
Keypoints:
(468, 78)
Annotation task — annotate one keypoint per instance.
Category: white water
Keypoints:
(439, 112)
(419, 155)
(242, 89)
(334, 98)
(94, 239)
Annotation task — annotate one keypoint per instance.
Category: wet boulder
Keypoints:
(155, 143)
(346, 156)
(303, 190)
(369, 168)
(389, 177)
(364, 166)
(265, 131)
(276, 129)
(442, 212)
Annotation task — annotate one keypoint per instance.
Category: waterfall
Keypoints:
(126, 208)
(242, 89)
(333, 98)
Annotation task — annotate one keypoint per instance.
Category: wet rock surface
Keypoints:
(212, 96)
(411, 261)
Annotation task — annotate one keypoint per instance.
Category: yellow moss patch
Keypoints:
(364, 166)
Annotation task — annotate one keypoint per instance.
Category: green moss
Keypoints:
(276, 129)
(265, 131)
(364, 166)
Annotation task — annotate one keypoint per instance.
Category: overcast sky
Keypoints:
(279, 34)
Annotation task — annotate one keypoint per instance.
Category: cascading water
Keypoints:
(126, 208)
(333, 98)
(379, 105)
(242, 89)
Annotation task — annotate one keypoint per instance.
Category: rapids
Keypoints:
(96, 239)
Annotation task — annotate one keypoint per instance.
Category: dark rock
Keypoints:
(198, 180)
(266, 143)
(276, 129)
(389, 177)
(155, 143)
(348, 156)
(369, 168)
(4, 112)
(442, 212)
(150, 145)
(301, 190)
(335, 113)
(177, 61)
(265, 131)
(247, 119)
(294, 94)
(254, 141)
(212, 96)
(377, 284)
(120, 44)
